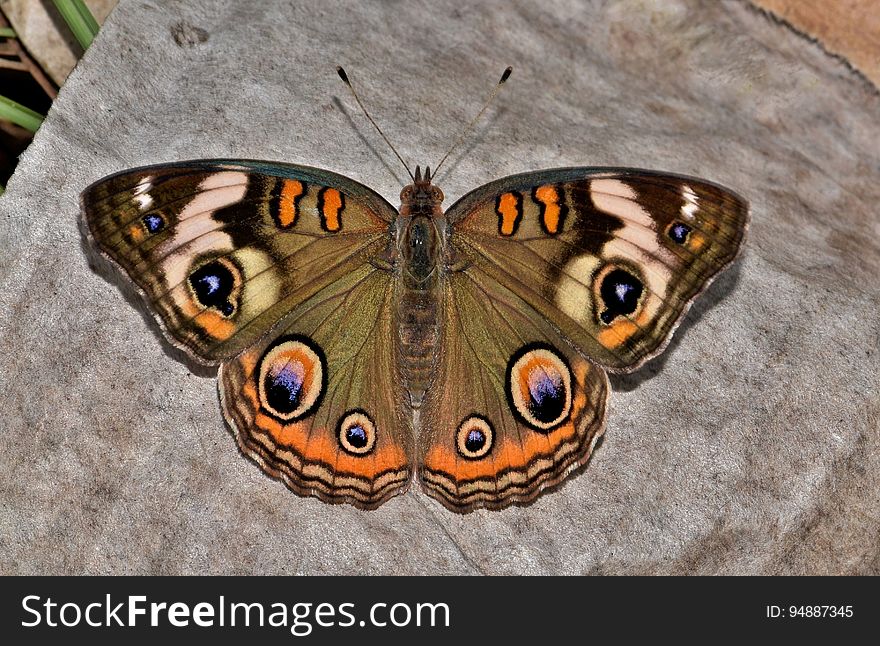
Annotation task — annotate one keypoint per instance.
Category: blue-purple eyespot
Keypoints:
(474, 437)
(678, 232)
(291, 378)
(620, 293)
(539, 387)
(356, 432)
(216, 284)
(153, 223)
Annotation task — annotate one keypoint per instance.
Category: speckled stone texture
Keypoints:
(750, 446)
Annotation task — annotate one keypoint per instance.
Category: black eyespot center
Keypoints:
(475, 437)
(621, 292)
(678, 232)
(547, 397)
(283, 389)
(356, 436)
(475, 440)
(213, 284)
(356, 433)
(153, 222)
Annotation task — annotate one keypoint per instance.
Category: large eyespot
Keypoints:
(475, 437)
(217, 284)
(291, 378)
(356, 432)
(539, 386)
(619, 291)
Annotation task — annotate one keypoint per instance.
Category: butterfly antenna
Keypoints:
(344, 77)
(491, 98)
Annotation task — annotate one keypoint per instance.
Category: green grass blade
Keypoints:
(20, 115)
(80, 20)
(7, 32)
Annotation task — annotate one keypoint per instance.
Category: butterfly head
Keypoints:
(421, 197)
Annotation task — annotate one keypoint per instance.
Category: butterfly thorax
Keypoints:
(420, 246)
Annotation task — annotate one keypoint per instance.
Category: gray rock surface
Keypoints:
(750, 446)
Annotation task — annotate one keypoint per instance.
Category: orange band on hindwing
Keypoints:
(331, 204)
(509, 208)
(288, 203)
(553, 209)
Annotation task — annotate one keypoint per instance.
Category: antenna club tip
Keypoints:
(506, 74)
(342, 74)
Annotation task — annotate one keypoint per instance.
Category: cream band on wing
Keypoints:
(291, 378)
(475, 437)
(357, 432)
(539, 387)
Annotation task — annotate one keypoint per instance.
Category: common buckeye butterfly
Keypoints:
(359, 345)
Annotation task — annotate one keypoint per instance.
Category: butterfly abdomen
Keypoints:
(418, 304)
(418, 333)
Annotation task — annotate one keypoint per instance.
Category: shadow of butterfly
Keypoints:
(360, 346)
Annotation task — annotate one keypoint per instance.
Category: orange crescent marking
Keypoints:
(508, 209)
(616, 334)
(215, 325)
(291, 189)
(549, 197)
(696, 241)
(330, 208)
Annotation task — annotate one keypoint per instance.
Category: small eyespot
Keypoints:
(475, 437)
(356, 432)
(619, 292)
(678, 232)
(291, 378)
(216, 284)
(539, 387)
(153, 223)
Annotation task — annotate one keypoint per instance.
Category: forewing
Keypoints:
(222, 249)
(612, 257)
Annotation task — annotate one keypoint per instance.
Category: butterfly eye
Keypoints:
(437, 194)
(357, 432)
(291, 378)
(406, 194)
(475, 437)
(539, 387)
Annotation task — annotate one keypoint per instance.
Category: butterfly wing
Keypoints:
(514, 407)
(553, 275)
(278, 272)
(221, 249)
(613, 257)
(314, 402)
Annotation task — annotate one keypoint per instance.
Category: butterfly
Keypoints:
(362, 346)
